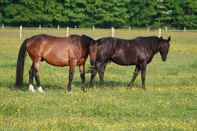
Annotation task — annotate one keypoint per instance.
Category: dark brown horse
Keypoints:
(139, 52)
(58, 51)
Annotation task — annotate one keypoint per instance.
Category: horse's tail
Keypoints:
(20, 64)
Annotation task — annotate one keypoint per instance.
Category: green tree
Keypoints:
(101, 13)
(190, 13)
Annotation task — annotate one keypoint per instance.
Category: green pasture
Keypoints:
(169, 103)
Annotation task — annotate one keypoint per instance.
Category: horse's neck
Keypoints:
(153, 49)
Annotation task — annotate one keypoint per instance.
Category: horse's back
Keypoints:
(55, 50)
(120, 51)
(104, 48)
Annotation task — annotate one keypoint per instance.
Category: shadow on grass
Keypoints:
(8, 66)
(76, 84)
(107, 83)
(12, 86)
(96, 84)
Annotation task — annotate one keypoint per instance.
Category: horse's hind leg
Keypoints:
(93, 74)
(71, 75)
(82, 75)
(37, 77)
(31, 77)
(101, 71)
(135, 74)
(143, 74)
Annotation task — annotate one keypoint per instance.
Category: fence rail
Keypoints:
(159, 31)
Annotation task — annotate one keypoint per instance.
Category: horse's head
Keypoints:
(91, 47)
(164, 46)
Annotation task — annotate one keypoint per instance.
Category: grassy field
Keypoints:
(169, 103)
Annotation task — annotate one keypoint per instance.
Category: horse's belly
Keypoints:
(124, 60)
(124, 56)
(57, 59)
(57, 62)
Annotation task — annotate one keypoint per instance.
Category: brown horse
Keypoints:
(139, 52)
(58, 51)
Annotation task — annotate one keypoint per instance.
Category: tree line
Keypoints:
(100, 13)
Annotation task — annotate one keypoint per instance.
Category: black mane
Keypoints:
(151, 42)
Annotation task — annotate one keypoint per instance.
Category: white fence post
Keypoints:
(129, 28)
(40, 27)
(166, 29)
(148, 29)
(184, 29)
(58, 28)
(67, 31)
(20, 32)
(2, 26)
(93, 28)
(159, 32)
(112, 32)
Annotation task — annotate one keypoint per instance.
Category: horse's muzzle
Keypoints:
(164, 58)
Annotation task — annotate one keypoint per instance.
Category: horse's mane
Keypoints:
(147, 39)
(140, 38)
(150, 42)
(74, 36)
(111, 40)
(86, 39)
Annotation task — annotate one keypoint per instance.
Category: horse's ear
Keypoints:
(169, 38)
(84, 36)
(86, 39)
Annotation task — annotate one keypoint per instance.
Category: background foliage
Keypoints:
(100, 13)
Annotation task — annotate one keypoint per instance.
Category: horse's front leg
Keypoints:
(93, 73)
(101, 71)
(135, 74)
(71, 75)
(143, 74)
(82, 75)
(31, 77)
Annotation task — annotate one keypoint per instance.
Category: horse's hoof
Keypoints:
(129, 86)
(69, 92)
(91, 85)
(40, 89)
(101, 81)
(15, 88)
(84, 90)
(31, 88)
